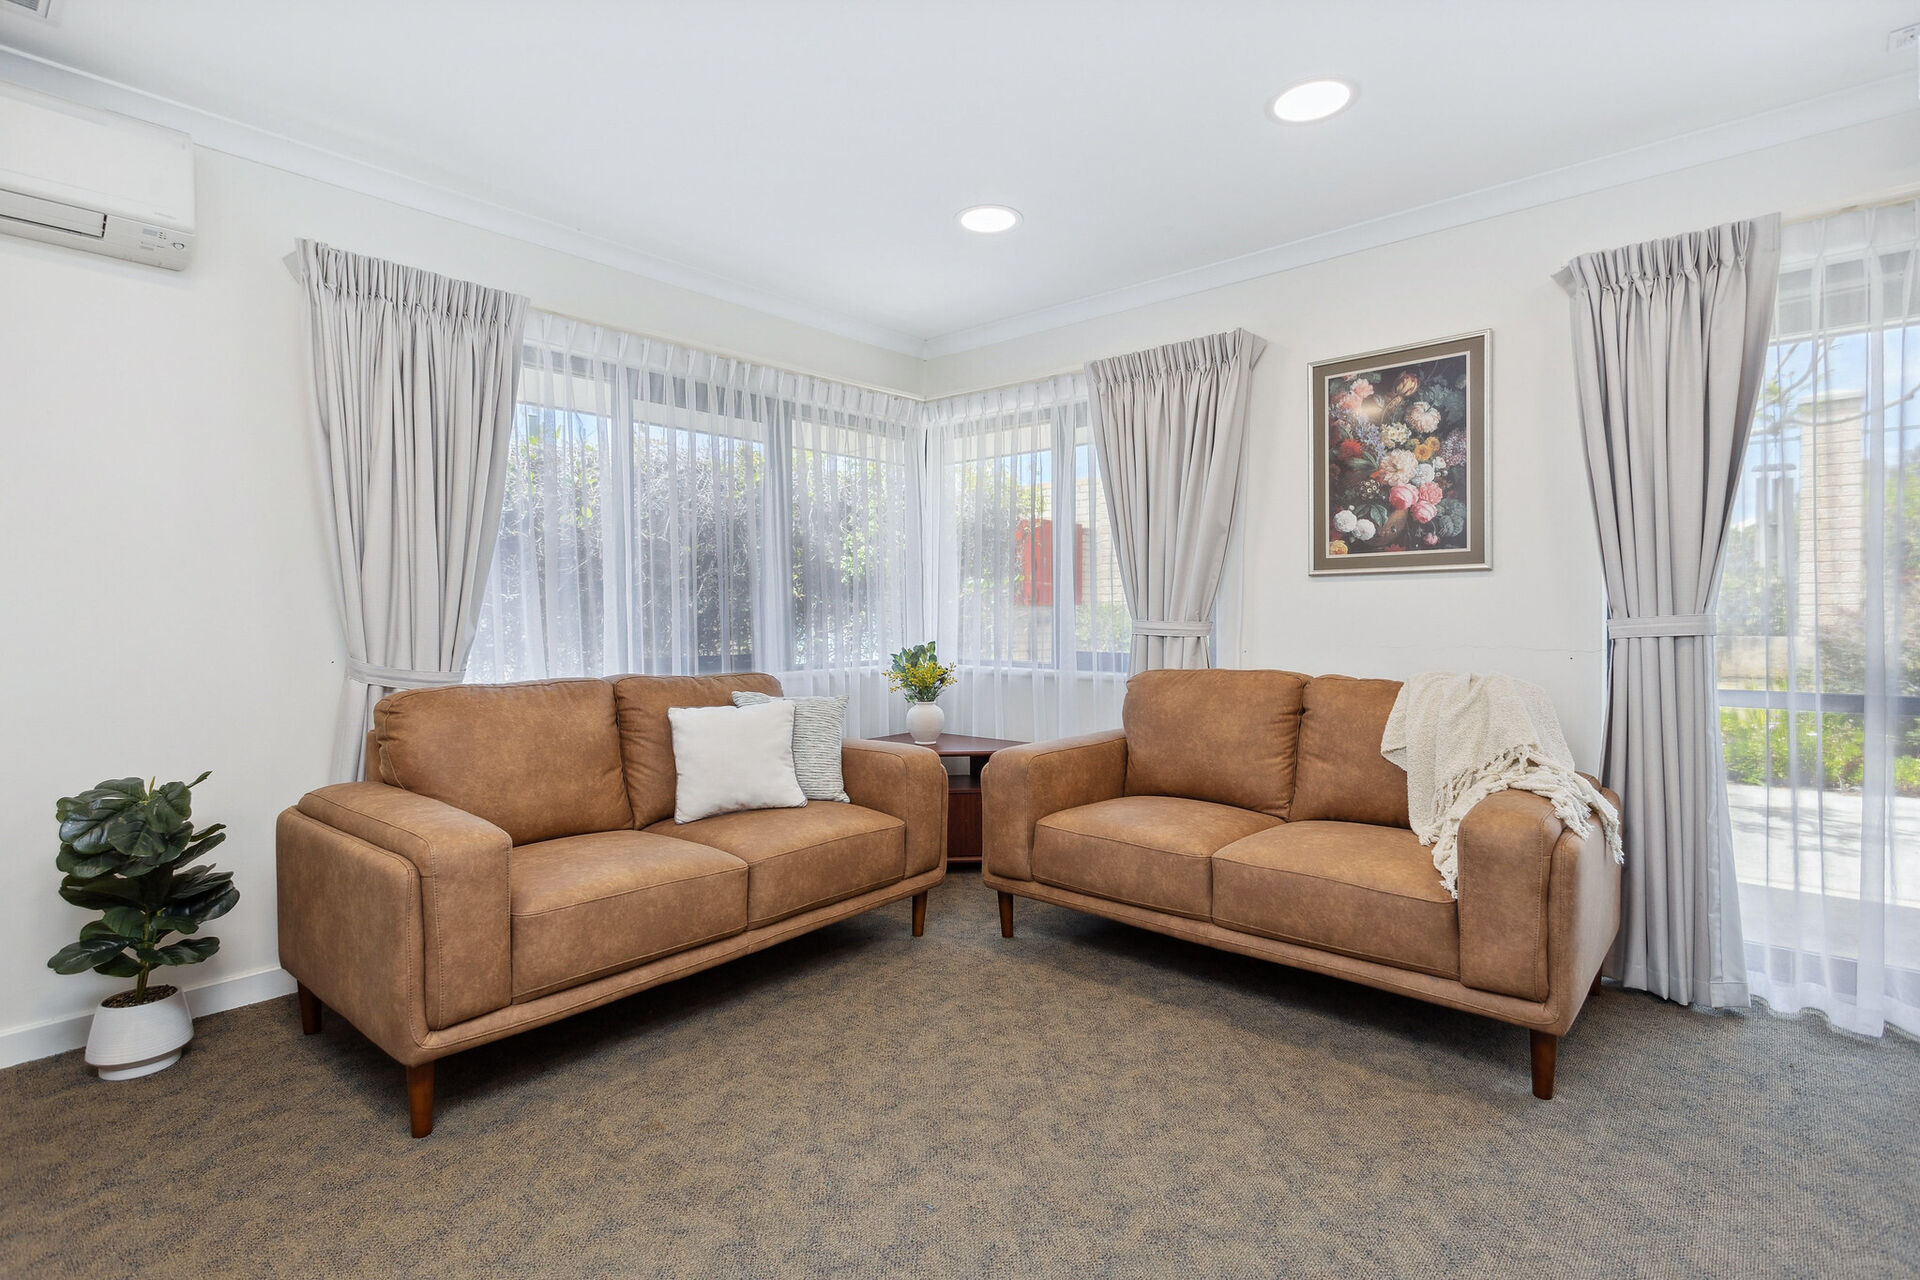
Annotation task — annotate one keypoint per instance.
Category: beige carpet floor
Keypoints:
(1085, 1100)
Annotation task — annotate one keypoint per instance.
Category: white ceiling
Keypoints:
(810, 155)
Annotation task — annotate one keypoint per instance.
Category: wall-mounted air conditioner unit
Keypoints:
(94, 180)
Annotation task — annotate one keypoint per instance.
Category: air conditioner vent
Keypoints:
(49, 213)
(94, 181)
(38, 8)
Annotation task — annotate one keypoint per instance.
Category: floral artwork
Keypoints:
(1399, 461)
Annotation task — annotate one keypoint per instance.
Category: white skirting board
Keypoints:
(57, 1035)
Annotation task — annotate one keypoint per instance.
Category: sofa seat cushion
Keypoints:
(586, 906)
(804, 858)
(1361, 890)
(1151, 851)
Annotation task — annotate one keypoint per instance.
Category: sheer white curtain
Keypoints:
(1819, 620)
(668, 511)
(855, 486)
(1029, 601)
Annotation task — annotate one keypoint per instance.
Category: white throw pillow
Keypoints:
(733, 758)
(818, 737)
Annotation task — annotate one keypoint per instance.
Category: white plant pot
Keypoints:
(139, 1039)
(925, 720)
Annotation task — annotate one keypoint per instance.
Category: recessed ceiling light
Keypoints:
(1314, 100)
(989, 219)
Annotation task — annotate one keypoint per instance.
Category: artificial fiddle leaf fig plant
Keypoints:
(127, 850)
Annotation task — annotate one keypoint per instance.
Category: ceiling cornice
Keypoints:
(1858, 105)
(1873, 100)
(250, 142)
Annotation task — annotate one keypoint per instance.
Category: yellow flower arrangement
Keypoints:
(919, 673)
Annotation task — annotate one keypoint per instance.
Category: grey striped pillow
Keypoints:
(817, 726)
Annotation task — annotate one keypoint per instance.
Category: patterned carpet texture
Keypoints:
(1084, 1100)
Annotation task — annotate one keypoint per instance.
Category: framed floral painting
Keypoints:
(1400, 461)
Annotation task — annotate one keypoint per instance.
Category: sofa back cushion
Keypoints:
(538, 760)
(1228, 737)
(646, 739)
(1343, 776)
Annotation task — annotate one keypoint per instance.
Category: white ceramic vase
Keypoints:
(925, 720)
(140, 1039)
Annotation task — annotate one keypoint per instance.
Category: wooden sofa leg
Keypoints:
(420, 1098)
(920, 913)
(309, 1010)
(1006, 915)
(1596, 987)
(1546, 1049)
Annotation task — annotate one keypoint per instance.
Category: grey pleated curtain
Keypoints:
(413, 382)
(1170, 425)
(1669, 342)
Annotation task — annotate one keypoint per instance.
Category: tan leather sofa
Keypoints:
(516, 860)
(1252, 811)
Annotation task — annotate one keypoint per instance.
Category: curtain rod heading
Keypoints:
(292, 263)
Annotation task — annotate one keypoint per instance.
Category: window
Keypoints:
(855, 530)
(999, 491)
(1819, 619)
(1031, 607)
(666, 511)
(671, 512)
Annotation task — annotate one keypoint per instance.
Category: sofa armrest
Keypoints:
(460, 862)
(1024, 784)
(349, 916)
(1613, 797)
(1505, 864)
(906, 782)
(1513, 939)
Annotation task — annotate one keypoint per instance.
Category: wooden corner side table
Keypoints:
(963, 789)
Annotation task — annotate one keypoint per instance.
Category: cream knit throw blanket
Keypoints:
(1462, 737)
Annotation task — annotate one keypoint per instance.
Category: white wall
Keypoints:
(165, 604)
(1539, 612)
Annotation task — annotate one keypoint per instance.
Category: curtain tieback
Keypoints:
(1164, 627)
(1661, 624)
(400, 677)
